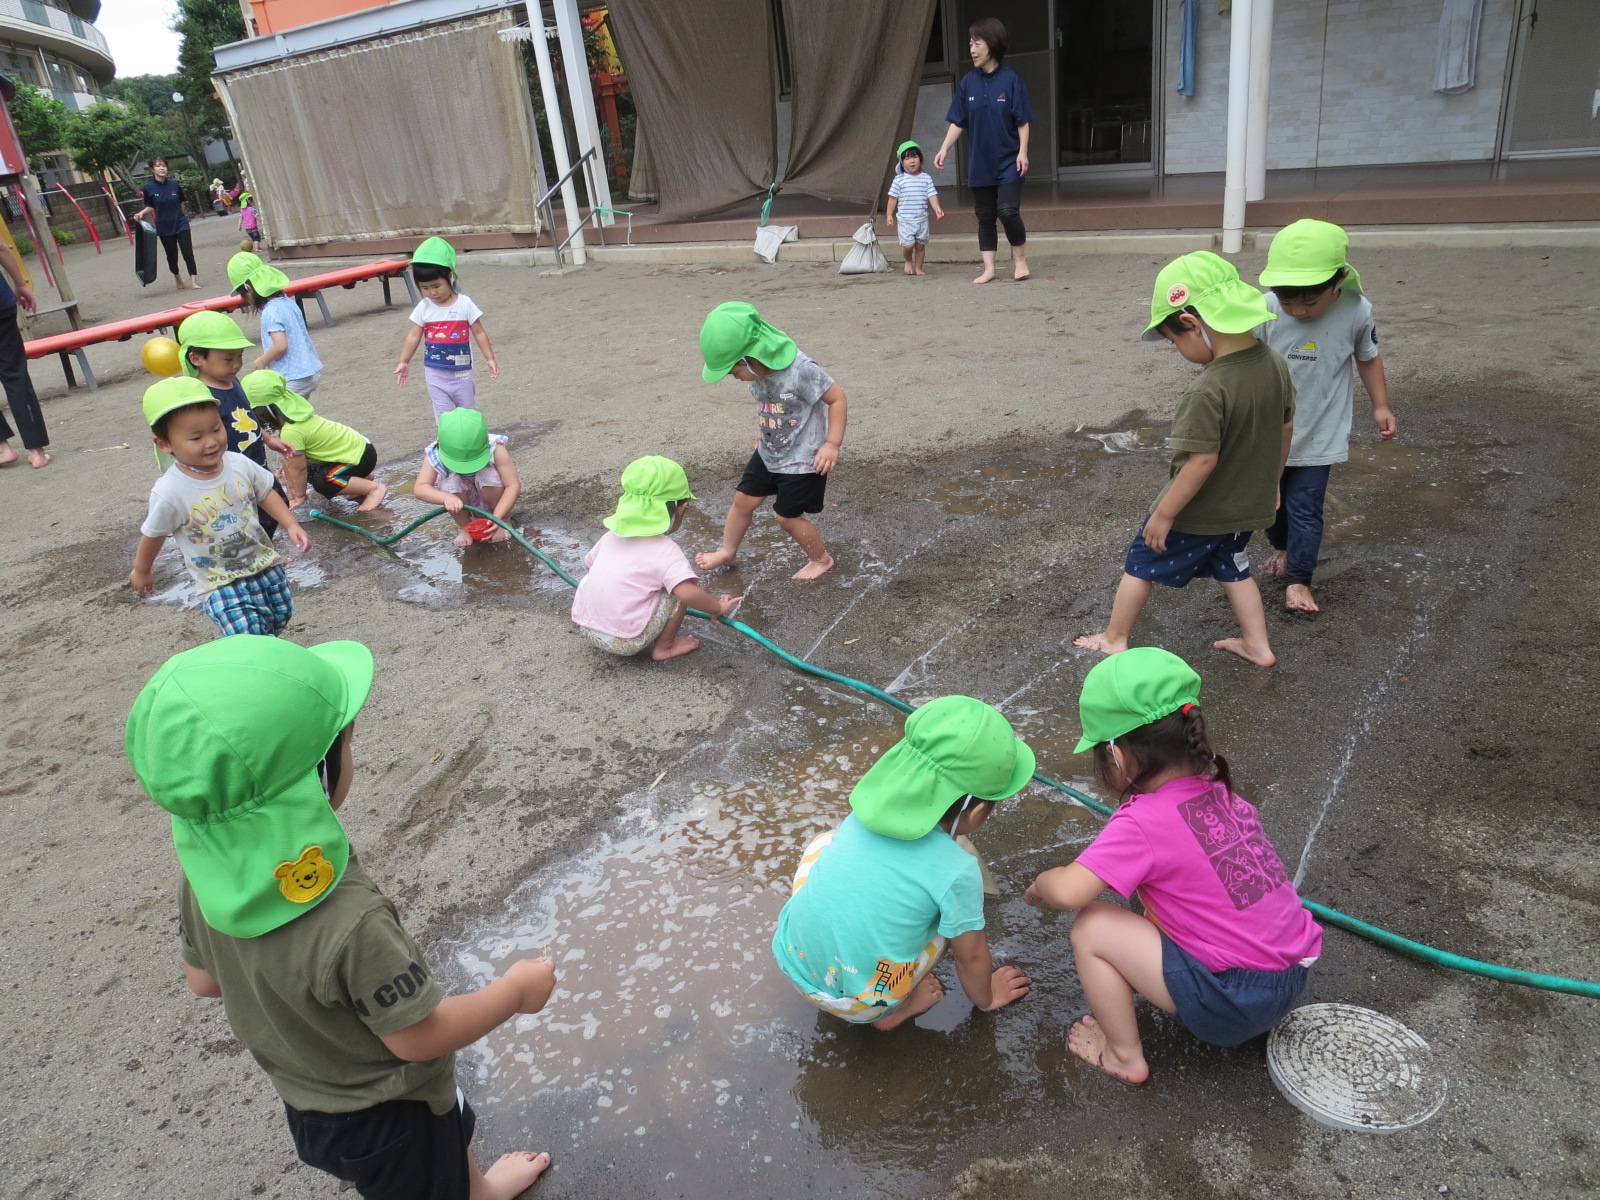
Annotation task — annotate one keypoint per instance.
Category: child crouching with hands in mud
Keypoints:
(1224, 943)
(878, 900)
(640, 584)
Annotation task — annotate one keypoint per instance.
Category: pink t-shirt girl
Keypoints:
(1207, 875)
(626, 579)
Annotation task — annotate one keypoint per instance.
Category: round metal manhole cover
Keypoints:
(1353, 1068)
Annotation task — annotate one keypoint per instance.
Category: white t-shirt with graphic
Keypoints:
(1321, 356)
(214, 521)
(447, 332)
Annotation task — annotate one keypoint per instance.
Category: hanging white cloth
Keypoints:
(1455, 68)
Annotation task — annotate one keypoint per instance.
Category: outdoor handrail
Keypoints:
(555, 187)
(586, 162)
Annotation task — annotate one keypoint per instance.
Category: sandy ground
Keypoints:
(1428, 742)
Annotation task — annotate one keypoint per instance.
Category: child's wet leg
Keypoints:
(509, 1177)
(1132, 593)
(1252, 643)
(1118, 953)
(462, 520)
(806, 536)
(740, 514)
(369, 491)
(491, 498)
(669, 644)
(924, 996)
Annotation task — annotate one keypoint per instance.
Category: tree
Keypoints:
(112, 136)
(41, 122)
(204, 25)
(154, 92)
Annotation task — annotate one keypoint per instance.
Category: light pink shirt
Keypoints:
(1207, 876)
(625, 581)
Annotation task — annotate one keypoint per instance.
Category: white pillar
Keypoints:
(558, 132)
(585, 121)
(1233, 188)
(1255, 169)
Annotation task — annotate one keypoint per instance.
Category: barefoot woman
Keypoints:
(991, 104)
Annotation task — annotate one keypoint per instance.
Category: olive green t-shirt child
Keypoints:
(1236, 409)
(311, 998)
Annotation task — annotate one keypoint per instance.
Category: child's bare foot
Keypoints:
(513, 1174)
(374, 498)
(923, 997)
(1262, 656)
(920, 271)
(1102, 642)
(463, 539)
(37, 459)
(814, 569)
(710, 560)
(1088, 1041)
(910, 270)
(679, 647)
(1276, 563)
(1297, 598)
(985, 277)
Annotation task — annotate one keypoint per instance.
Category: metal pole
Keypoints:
(1255, 169)
(585, 122)
(1233, 189)
(558, 133)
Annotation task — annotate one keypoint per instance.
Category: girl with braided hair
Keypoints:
(1223, 943)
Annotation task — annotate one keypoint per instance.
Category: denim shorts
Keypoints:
(1225, 1008)
(1219, 556)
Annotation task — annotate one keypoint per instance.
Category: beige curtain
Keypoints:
(701, 76)
(419, 133)
(856, 70)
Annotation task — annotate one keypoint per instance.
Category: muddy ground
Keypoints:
(1425, 751)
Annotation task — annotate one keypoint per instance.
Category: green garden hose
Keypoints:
(1442, 958)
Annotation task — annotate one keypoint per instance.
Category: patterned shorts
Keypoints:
(255, 604)
(628, 647)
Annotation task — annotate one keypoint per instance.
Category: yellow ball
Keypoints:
(160, 356)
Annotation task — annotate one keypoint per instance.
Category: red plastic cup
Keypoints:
(481, 530)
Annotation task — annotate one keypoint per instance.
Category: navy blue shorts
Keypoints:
(1219, 556)
(1227, 1007)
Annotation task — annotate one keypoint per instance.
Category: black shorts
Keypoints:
(796, 494)
(397, 1150)
(328, 478)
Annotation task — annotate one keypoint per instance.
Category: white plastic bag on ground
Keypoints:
(864, 257)
(770, 237)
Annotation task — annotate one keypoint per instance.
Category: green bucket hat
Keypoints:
(463, 443)
(208, 331)
(173, 393)
(262, 388)
(648, 484)
(1134, 688)
(264, 279)
(953, 746)
(1308, 253)
(240, 267)
(908, 144)
(1211, 285)
(733, 330)
(227, 737)
(435, 252)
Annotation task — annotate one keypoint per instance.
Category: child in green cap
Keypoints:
(1224, 942)
(468, 465)
(1230, 436)
(246, 742)
(639, 580)
(912, 194)
(802, 415)
(335, 459)
(285, 339)
(445, 322)
(878, 900)
(207, 500)
(1313, 284)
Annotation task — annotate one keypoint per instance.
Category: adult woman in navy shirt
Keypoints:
(163, 197)
(991, 104)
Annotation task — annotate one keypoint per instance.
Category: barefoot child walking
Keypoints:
(1230, 436)
(468, 465)
(1224, 942)
(247, 743)
(1330, 324)
(640, 585)
(878, 900)
(445, 322)
(803, 414)
(911, 196)
(333, 458)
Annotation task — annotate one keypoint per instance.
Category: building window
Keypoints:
(35, 12)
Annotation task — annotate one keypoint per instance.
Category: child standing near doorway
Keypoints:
(446, 322)
(911, 196)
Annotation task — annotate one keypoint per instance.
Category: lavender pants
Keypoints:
(449, 389)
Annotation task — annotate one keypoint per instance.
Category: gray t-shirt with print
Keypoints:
(1320, 354)
(794, 421)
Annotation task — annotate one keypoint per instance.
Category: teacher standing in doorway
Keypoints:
(163, 198)
(991, 104)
